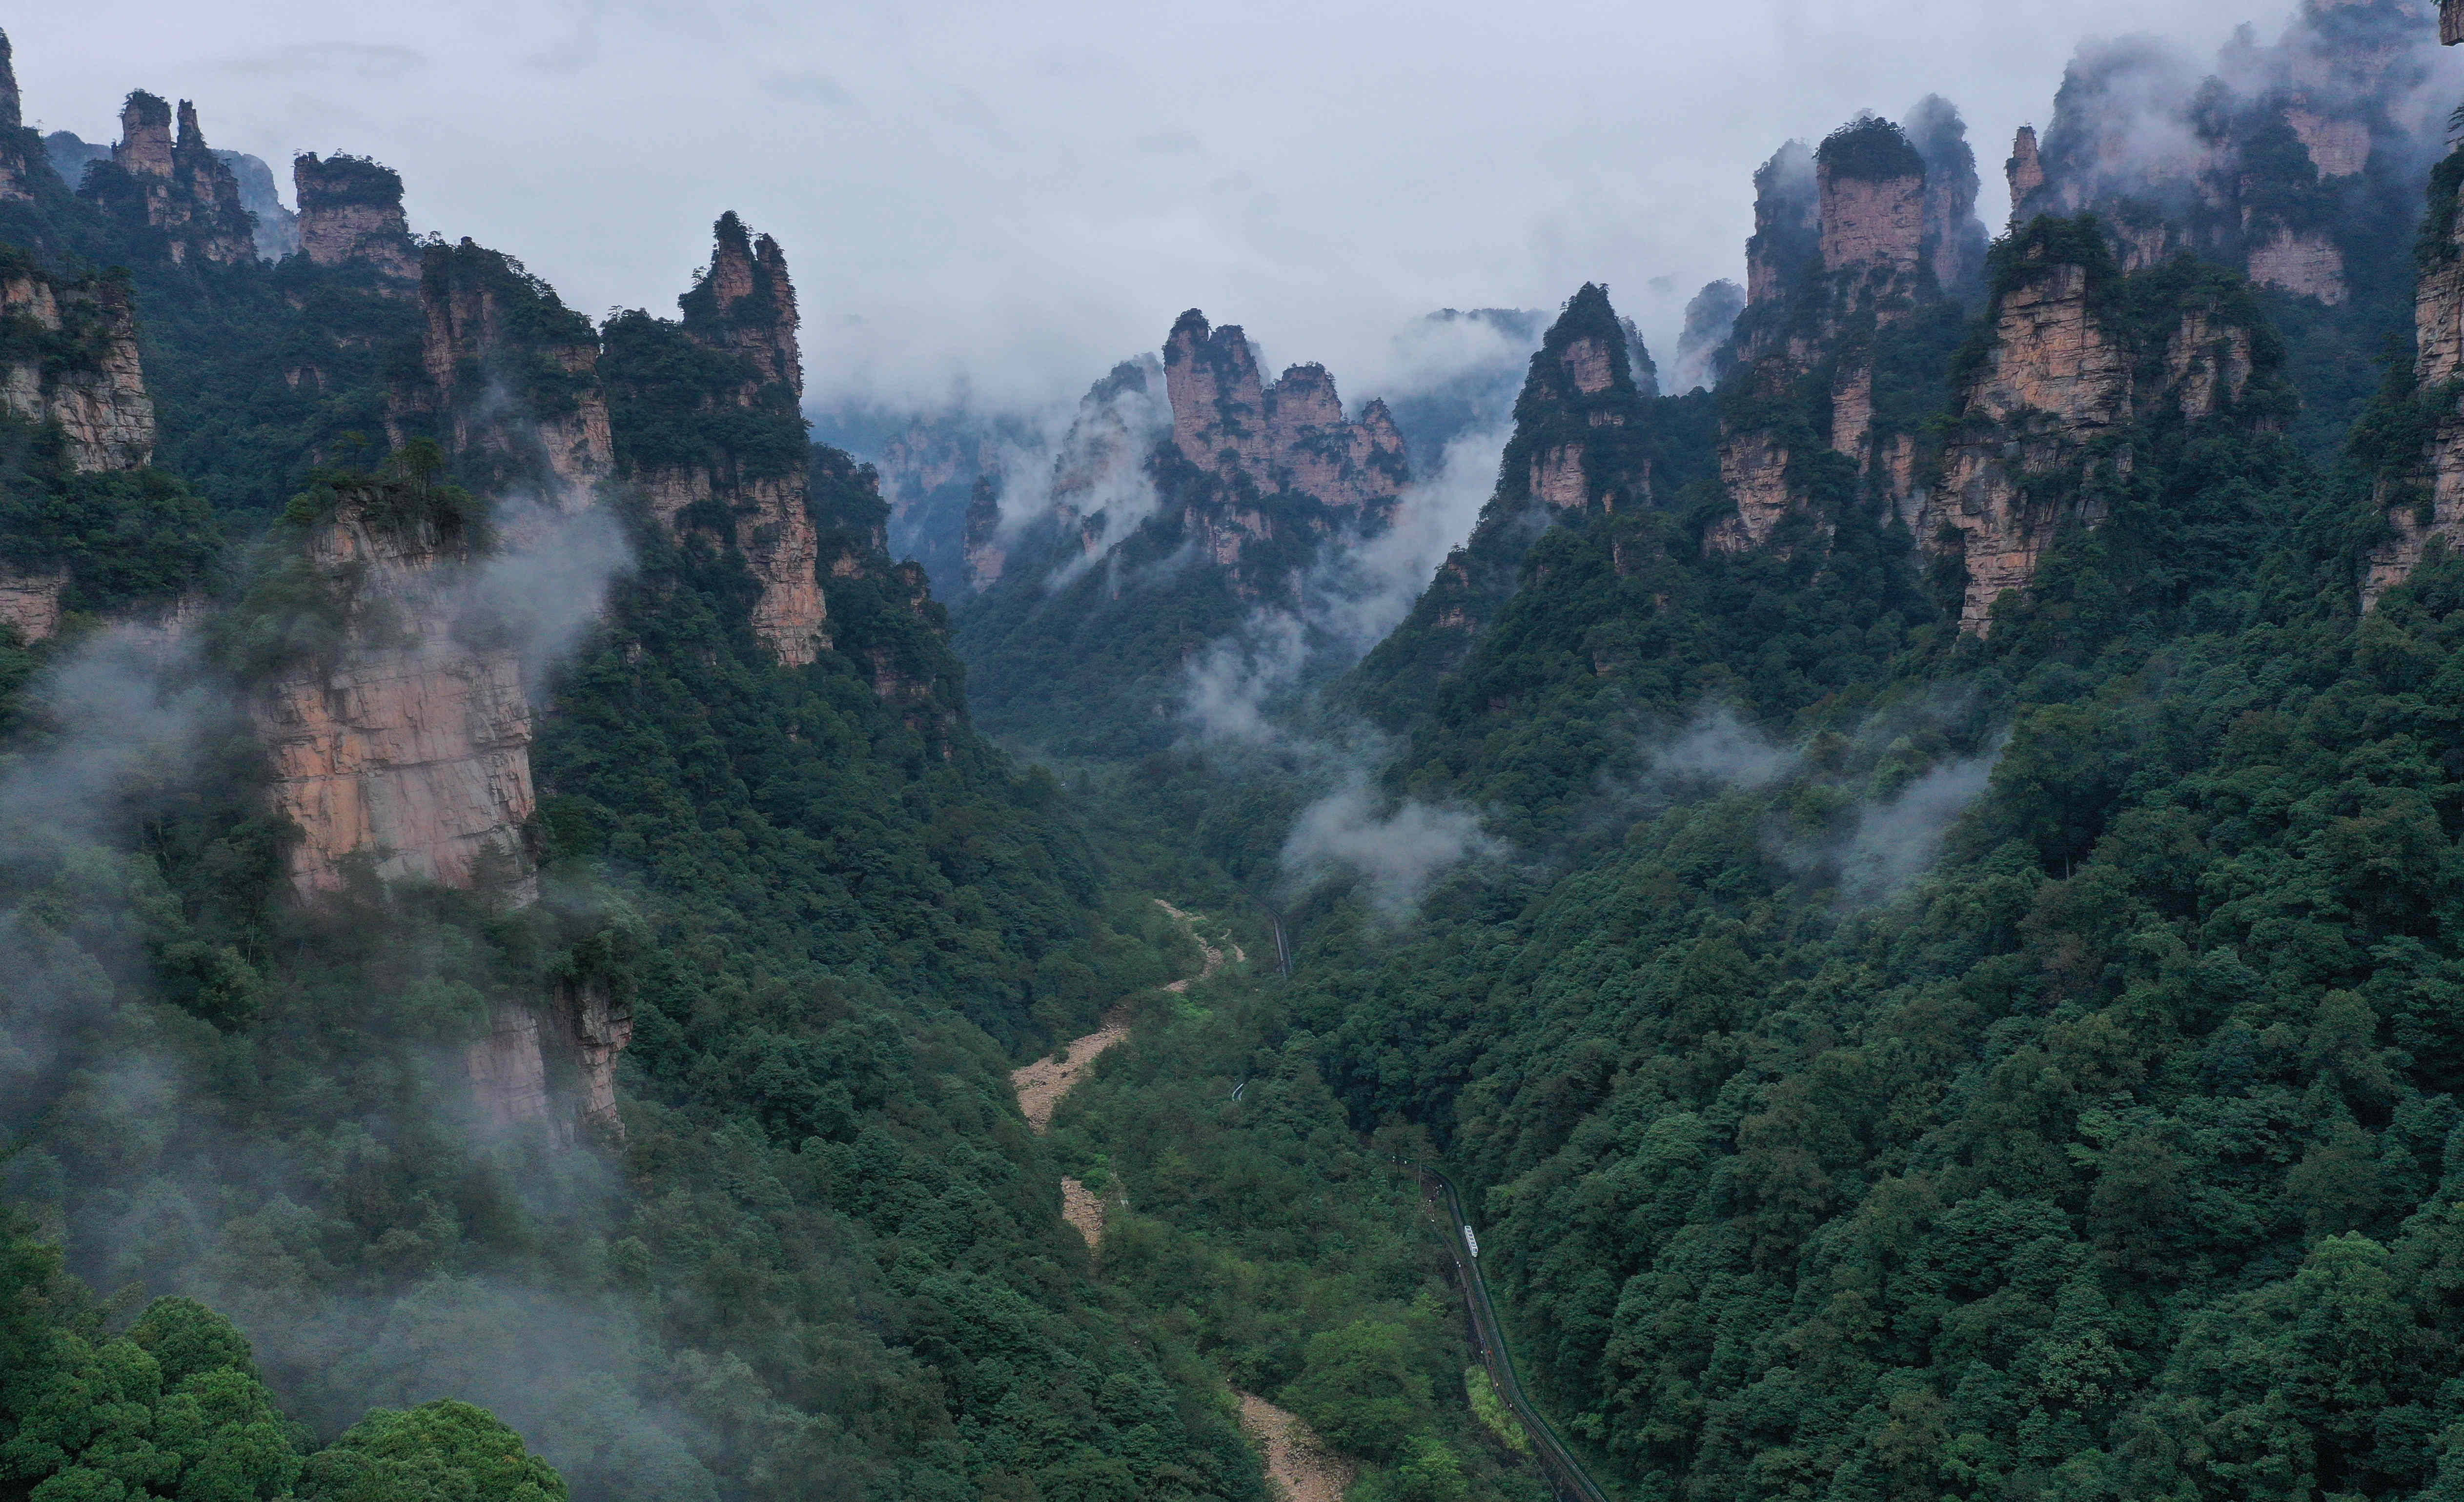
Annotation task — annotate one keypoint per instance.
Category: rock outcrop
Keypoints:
(507, 381)
(2426, 499)
(177, 185)
(1895, 233)
(403, 745)
(78, 365)
(2054, 381)
(2056, 411)
(985, 557)
(743, 479)
(30, 600)
(2266, 166)
(350, 214)
(1290, 437)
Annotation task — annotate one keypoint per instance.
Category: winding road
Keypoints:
(1565, 1474)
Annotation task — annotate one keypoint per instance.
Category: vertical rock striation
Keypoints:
(402, 744)
(76, 365)
(2062, 405)
(2425, 497)
(350, 214)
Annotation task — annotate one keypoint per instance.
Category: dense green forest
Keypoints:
(1886, 1056)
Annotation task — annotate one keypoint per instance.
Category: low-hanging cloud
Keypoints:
(1396, 852)
(1896, 840)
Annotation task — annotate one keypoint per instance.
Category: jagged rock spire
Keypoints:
(747, 302)
(177, 183)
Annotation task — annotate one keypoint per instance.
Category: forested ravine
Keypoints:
(1908, 871)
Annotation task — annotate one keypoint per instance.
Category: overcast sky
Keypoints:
(1016, 195)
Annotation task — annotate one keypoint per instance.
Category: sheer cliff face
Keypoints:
(2053, 381)
(2051, 413)
(508, 379)
(187, 190)
(350, 214)
(2429, 503)
(1872, 224)
(97, 394)
(410, 747)
(750, 493)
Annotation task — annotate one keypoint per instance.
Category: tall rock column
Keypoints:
(707, 421)
(1871, 186)
(2053, 380)
(2428, 500)
(1219, 417)
(350, 214)
(179, 185)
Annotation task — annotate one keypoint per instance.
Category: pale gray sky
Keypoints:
(1015, 195)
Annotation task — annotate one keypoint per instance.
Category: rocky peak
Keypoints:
(1871, 187)
(1577, 414)
(1788, 233)
(1217, 404)
(745, 302)
(2025, 171)
(350, 214)
(506, 382)
(722, 449)
(178, 185)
